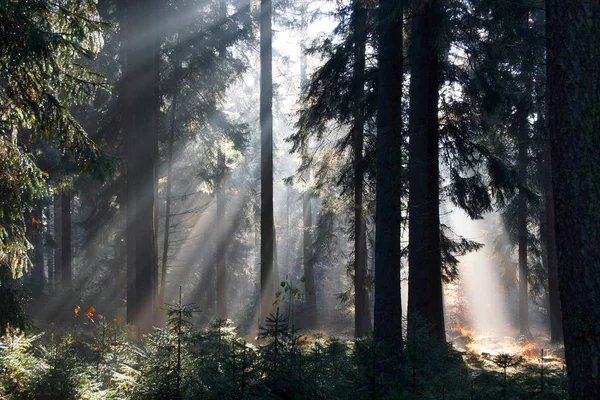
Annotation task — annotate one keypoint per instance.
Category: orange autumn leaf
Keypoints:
(118, 319)
(76, 310)
(90, 312)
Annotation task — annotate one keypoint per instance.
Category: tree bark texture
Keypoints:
(266, 160)
(573, 51)
(388, 312)
(556, 332)
(425, 297)
(362, 320)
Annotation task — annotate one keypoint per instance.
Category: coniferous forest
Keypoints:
(293, 199)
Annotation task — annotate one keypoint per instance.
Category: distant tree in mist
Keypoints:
(140, 125)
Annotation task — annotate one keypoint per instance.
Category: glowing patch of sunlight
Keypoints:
(488, 346)
(480, 276)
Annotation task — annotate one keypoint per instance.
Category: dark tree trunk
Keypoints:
(310, 312)
(275, 280)
(362, 320)
(65, 241)
(523, 144)
(50, 249)
(223, 238)
(425, 297)
(57, 240)
(38, 243)
(266, 160)
(309, 272)
(221, 241)
(141, 76)
(573, 49)
(556, 332)
(388, 312)
(523, 140)
(173, 128)
(288, 241)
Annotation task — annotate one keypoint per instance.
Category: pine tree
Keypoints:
(38, 97)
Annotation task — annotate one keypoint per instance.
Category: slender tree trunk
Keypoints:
(173, 128)
(556, 332)
(425, 296)
(266, 159)
(287, 231)
(522, 232)
(388, 312)
(309, 272)
(308, 259)
(573, 51)
(362, 322)
(50, 249)
(38, 243)
(523, 143)
(223, 239)
(65, 242)
(276, 280)
(142, 132)
(57, 240)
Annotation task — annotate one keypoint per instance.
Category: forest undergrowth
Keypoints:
(98, 358)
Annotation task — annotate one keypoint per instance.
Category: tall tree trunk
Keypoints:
(573, 49)
(173, 128)
(38, 243)
(307, 256)
(50, 249)
(221, 206)
(287, 231)
(388, 312)
(266, 159)
(556, 331)
(362, 320)
(65, 242)
(57, 227)
(425, 297)
(142, 131)
(275, 281)
(522, 230)
(523, 143)
(309, 271)
(222, 239)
